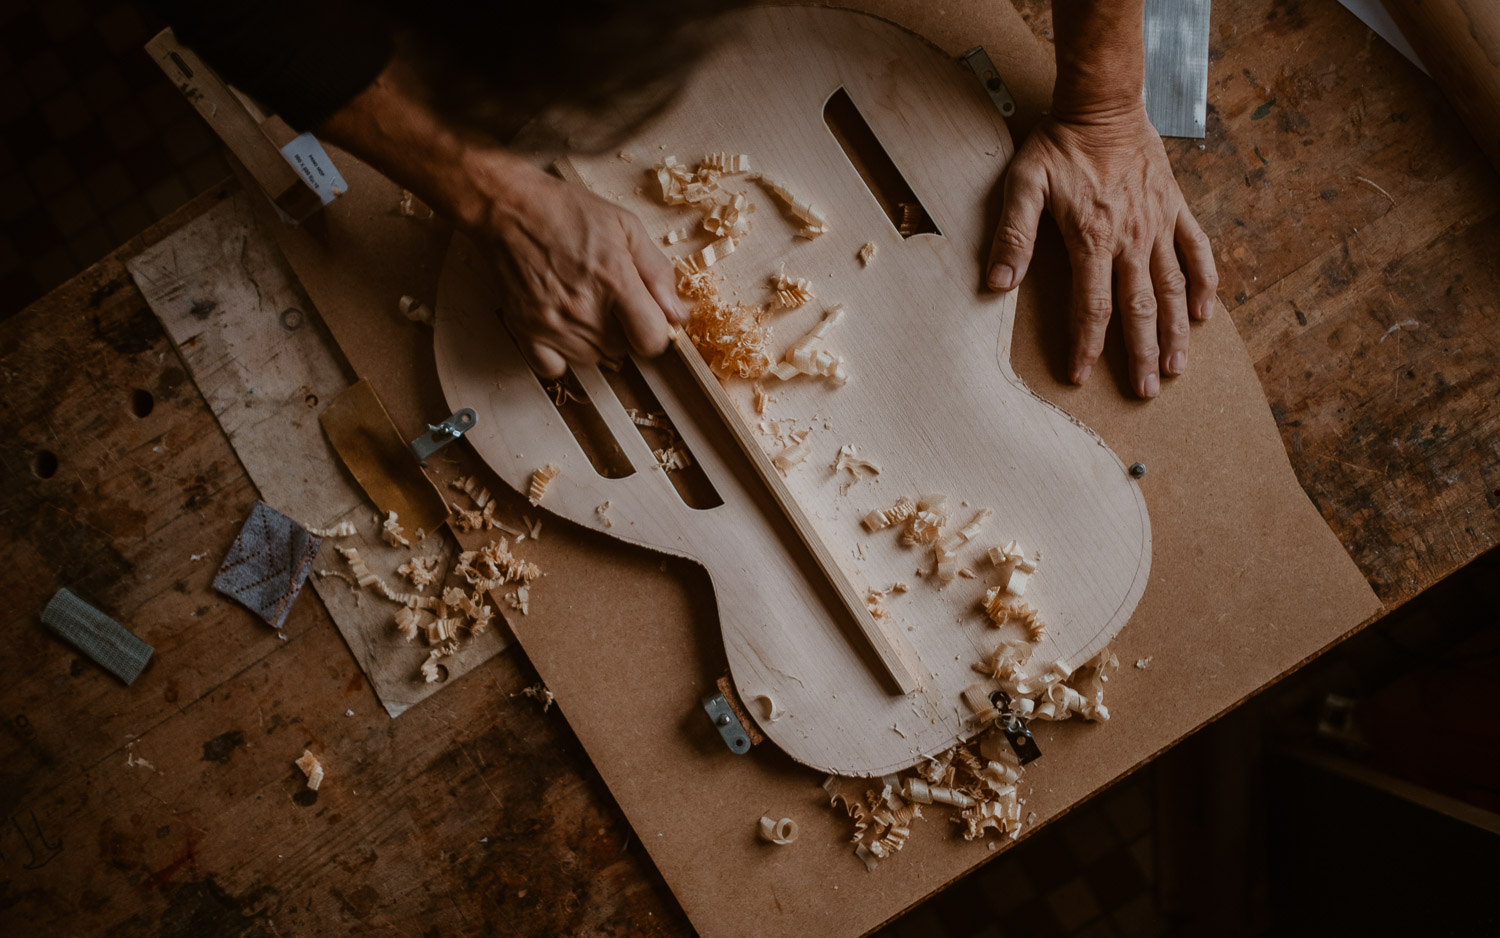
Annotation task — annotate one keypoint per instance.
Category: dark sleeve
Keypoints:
(304, 61)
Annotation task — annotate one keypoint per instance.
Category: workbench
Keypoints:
(1352, 217)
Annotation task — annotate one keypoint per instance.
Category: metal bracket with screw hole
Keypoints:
(440, 435)
(722, 717)
(1015, 729)
(979, 61)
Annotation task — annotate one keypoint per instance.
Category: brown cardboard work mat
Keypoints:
(1247, 581)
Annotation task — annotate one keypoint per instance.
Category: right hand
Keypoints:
(584, 279)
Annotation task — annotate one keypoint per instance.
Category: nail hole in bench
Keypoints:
(44, 464)
(141, 402)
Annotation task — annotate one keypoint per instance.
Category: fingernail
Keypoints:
(1152, 387)
(1082, 374)
(1176, 363)
(1002, 277)
(1206, 311)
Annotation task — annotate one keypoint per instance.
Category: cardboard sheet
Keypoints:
(1247, 581)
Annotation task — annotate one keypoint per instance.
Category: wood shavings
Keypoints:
(311, 768)
(790, 293)
(415, 310)
(795, 453)
(364, 577)
(729, 219)
(926, 522)
(520, 600)
(562, 394)
(866, 254)
(672, 458)
(408, 622)
(1142, 664)
(677, 235)
(910, 218)
(392, 533)
(880, 519)
(432, 671)
(807, 356)
(998, 607)
(730, 336)
(814, 221)
(493, 566)
(540, 480)
(780, 832)
(410, 207)
(540, 694)
(602, 511)
(706, 256)
(726, 164)
(421, 571)
(921, 792)
(761, 398)
(342, 529)
(849, 459)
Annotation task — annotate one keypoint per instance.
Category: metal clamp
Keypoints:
(723, 718)
(440, 435)
(1015, 729)
(979, 61)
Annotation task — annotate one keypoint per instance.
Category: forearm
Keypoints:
(1101, 58)
(390, 126)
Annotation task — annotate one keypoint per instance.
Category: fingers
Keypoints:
(655, 271)
(544, 360)
(1203, 275)
(1092, 307)
(1015, 238)
(640, 315)
(1171, 305)
(1137, 300)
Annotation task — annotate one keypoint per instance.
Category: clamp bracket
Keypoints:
(1015, 729)
(440, 435)
(722, 716)
(979, 61)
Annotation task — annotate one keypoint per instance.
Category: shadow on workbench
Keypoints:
(1360, 795)
(98, 145)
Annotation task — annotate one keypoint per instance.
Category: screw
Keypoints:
(723, 719)
(1137, 470)
(291, 318)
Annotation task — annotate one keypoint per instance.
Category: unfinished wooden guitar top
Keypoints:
(931, 399)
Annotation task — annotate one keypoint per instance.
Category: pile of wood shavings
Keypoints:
(731, 337)
(976, 785)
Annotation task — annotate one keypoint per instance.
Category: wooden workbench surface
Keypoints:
(1371, 316)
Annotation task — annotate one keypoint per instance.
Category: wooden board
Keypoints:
(258, 352)
(933, 400)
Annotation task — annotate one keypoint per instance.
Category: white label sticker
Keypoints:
(311, 162)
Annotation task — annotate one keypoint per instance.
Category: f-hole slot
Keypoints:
(674, 457)
(588, 428)
(876, 168)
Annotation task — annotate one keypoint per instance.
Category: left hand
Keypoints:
(1107, 182)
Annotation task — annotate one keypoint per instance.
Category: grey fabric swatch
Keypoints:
(267, 564)
(1176, 33)
(115, 648)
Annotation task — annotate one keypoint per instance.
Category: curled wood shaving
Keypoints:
(421, 571)
(312, 768)
(493, 566)
(432, 671)
(910, 217)
(540, 479)
(677, 235)
(923, 793)
(364, 577)
(780, 832)
(342, 529)
(794, 454)
(761, 397)
(706, 256)
(726, 164)
(392, 533)
(415, 310)
(730, 218)
(540, 694)
(672, 458)
(849, 458)
(814, 221)
(807, 356)
(470, 486)
(1001, 611)
(790, 293)
(603, 512)
(882, 518)
(926, 522)
(520, 600)
(867, 254)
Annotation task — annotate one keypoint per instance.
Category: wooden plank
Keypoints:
(256, 348)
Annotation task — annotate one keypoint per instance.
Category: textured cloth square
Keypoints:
(114, 647)
(268, 563)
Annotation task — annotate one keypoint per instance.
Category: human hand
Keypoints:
(583, 279)
(1107, 182)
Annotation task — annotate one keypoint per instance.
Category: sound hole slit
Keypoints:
(582, 420)
(876, 168)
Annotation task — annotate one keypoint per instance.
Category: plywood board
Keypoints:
(261, 358)
(1246, 583)
(932, 399)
